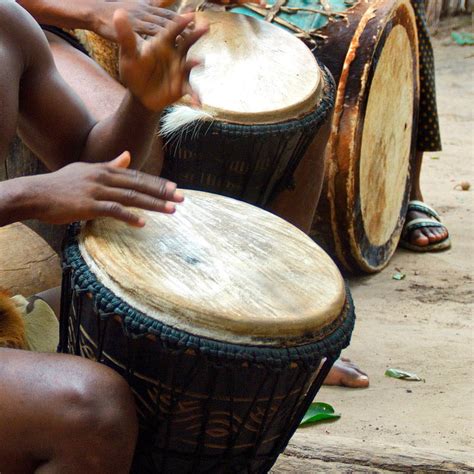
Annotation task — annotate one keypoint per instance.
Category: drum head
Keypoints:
(252, 71)
(221, 269)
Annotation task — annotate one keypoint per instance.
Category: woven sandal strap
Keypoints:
(421, 223)
(420, 206)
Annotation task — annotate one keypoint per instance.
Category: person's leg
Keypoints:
(428, 139)
(101, 94)
(427, 235)
(298, 205)
(61, 413)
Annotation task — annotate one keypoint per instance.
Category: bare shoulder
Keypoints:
(19, 32)
(11, 14)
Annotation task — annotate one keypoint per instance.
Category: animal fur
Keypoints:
(102, 51)
(12, 326)
(181, 118)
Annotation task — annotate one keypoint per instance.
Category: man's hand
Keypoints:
(146, 17)
(156, 71)
(83, 191)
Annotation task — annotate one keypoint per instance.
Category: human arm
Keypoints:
(83, 191)
(56, 125)
(147, 17)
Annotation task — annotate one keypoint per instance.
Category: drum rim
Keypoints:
(136, 324)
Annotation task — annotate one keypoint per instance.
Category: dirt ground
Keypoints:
(423, 323)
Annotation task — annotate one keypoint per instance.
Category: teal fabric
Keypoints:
(307, 21)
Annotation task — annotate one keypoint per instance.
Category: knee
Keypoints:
(100, 409)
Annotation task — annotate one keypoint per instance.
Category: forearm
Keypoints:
(15, 202)
(62, 13)
(132, 127)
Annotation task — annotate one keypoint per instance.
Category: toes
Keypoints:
(360, 381)
(437, 234)
(345, 362)
(420, 238)
(346, 374)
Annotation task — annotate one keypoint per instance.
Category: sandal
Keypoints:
(432, 221)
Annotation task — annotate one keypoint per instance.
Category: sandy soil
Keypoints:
(423, 323)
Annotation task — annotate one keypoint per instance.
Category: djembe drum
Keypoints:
(371, 49)
(263, 99)
(223, 318)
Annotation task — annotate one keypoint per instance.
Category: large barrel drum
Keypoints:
(371, 49)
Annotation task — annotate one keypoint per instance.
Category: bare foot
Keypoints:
(426, 235)
(346, 374)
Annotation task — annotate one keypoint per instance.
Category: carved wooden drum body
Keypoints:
(219, 316)
(372, 52)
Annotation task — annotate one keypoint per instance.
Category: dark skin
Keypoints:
(61, 413)
(147, 17)
(157, 74)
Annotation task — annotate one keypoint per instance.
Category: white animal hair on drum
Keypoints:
(220, 316)
(251, 73)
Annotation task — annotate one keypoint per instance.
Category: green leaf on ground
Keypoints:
(319, 411)
(462, 37)
(403, 374)
(435, 157)
(398, 276)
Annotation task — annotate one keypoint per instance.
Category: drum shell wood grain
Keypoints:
(351, 52)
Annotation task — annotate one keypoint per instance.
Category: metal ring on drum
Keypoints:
(371, 49)
(219, 316)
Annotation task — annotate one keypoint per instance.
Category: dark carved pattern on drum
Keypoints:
(202, 409)
(206, 407)
(182, 408)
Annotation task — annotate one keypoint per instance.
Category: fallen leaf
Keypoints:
(462, 38)
(403, 374)
(398, 276)
(435, 157)
(319, 411)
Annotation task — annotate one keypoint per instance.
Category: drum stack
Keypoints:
(223, 318)
(264, 100)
